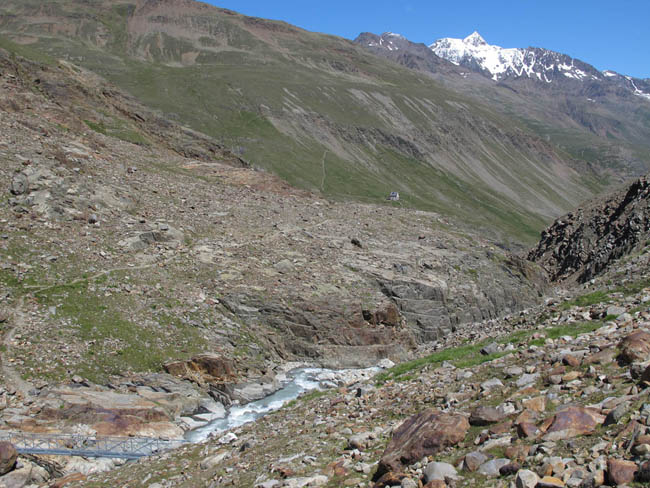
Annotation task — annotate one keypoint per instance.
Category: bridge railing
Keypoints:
(89, 446)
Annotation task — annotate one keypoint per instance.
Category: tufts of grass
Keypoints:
(469, 355)
(573, 330)
(463, 356)
(586, 300)
(113, 341)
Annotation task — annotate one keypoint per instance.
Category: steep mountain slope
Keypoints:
(585, 242)
(601, 118)
(111, 240)
(315, 109)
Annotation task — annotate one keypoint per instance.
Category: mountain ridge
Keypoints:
(597, 117)
(501, 63)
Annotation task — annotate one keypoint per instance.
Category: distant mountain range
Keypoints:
(544, 65)
(475, 54)
(601, 117)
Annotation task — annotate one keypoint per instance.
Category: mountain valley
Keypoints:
(195, 206)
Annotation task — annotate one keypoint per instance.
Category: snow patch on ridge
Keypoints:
(386, 42)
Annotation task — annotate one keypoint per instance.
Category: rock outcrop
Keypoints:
(583, 243)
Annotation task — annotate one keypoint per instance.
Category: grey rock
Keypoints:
(409, 483)
(439, 471)
(617, 414)
(213, 461)
(513, 371)
(318, 480)
(474, 460)
(491, 468)
(19, 185)
(526, 479)
(615, 310)
(285, 266)
(268, 484)
(491, 348)
(527, 379)
(491, 383)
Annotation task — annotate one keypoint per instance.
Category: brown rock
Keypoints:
(572, 422)
(436, 484)
(501, 428)
(421, 435)
(8, 456)
(544, 426)
(517, 452)
(643, 439)
(620, 472)
(635, 348)
(605, 356)
(389, 479)
(203, 369)
(573, 375)
(527, 429)
(486, 416)
(387, 316)
(527, 416)
(550, 482)
(67, 480)
(571, 360)
(537, 404)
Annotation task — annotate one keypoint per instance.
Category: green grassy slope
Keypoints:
(315, 109)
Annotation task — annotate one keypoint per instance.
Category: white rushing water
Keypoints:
(298, 381)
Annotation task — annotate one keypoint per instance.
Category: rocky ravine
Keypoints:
(553, 397)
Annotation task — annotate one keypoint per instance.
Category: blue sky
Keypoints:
(610, 34)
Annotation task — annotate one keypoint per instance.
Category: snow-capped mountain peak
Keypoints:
(474, 52)
(475, 39)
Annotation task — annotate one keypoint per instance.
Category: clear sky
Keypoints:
(609, 34)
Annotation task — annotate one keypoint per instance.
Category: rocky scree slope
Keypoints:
(584, 243)
(556, 396)
(598, 117)
(316, 110)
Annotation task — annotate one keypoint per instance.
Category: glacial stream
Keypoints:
(298, 381)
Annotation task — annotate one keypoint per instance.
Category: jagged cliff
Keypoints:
(583, 243)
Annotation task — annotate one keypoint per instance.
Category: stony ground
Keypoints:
(559, 400)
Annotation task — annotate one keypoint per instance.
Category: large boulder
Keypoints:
(572, 422)
(487, 416)
(204, 369)
(635, 348)
(8, 456)
(424, 434)
(620, 471)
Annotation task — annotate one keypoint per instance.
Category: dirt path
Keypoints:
(12, 377)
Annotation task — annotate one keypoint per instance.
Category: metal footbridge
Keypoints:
(89, 446)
